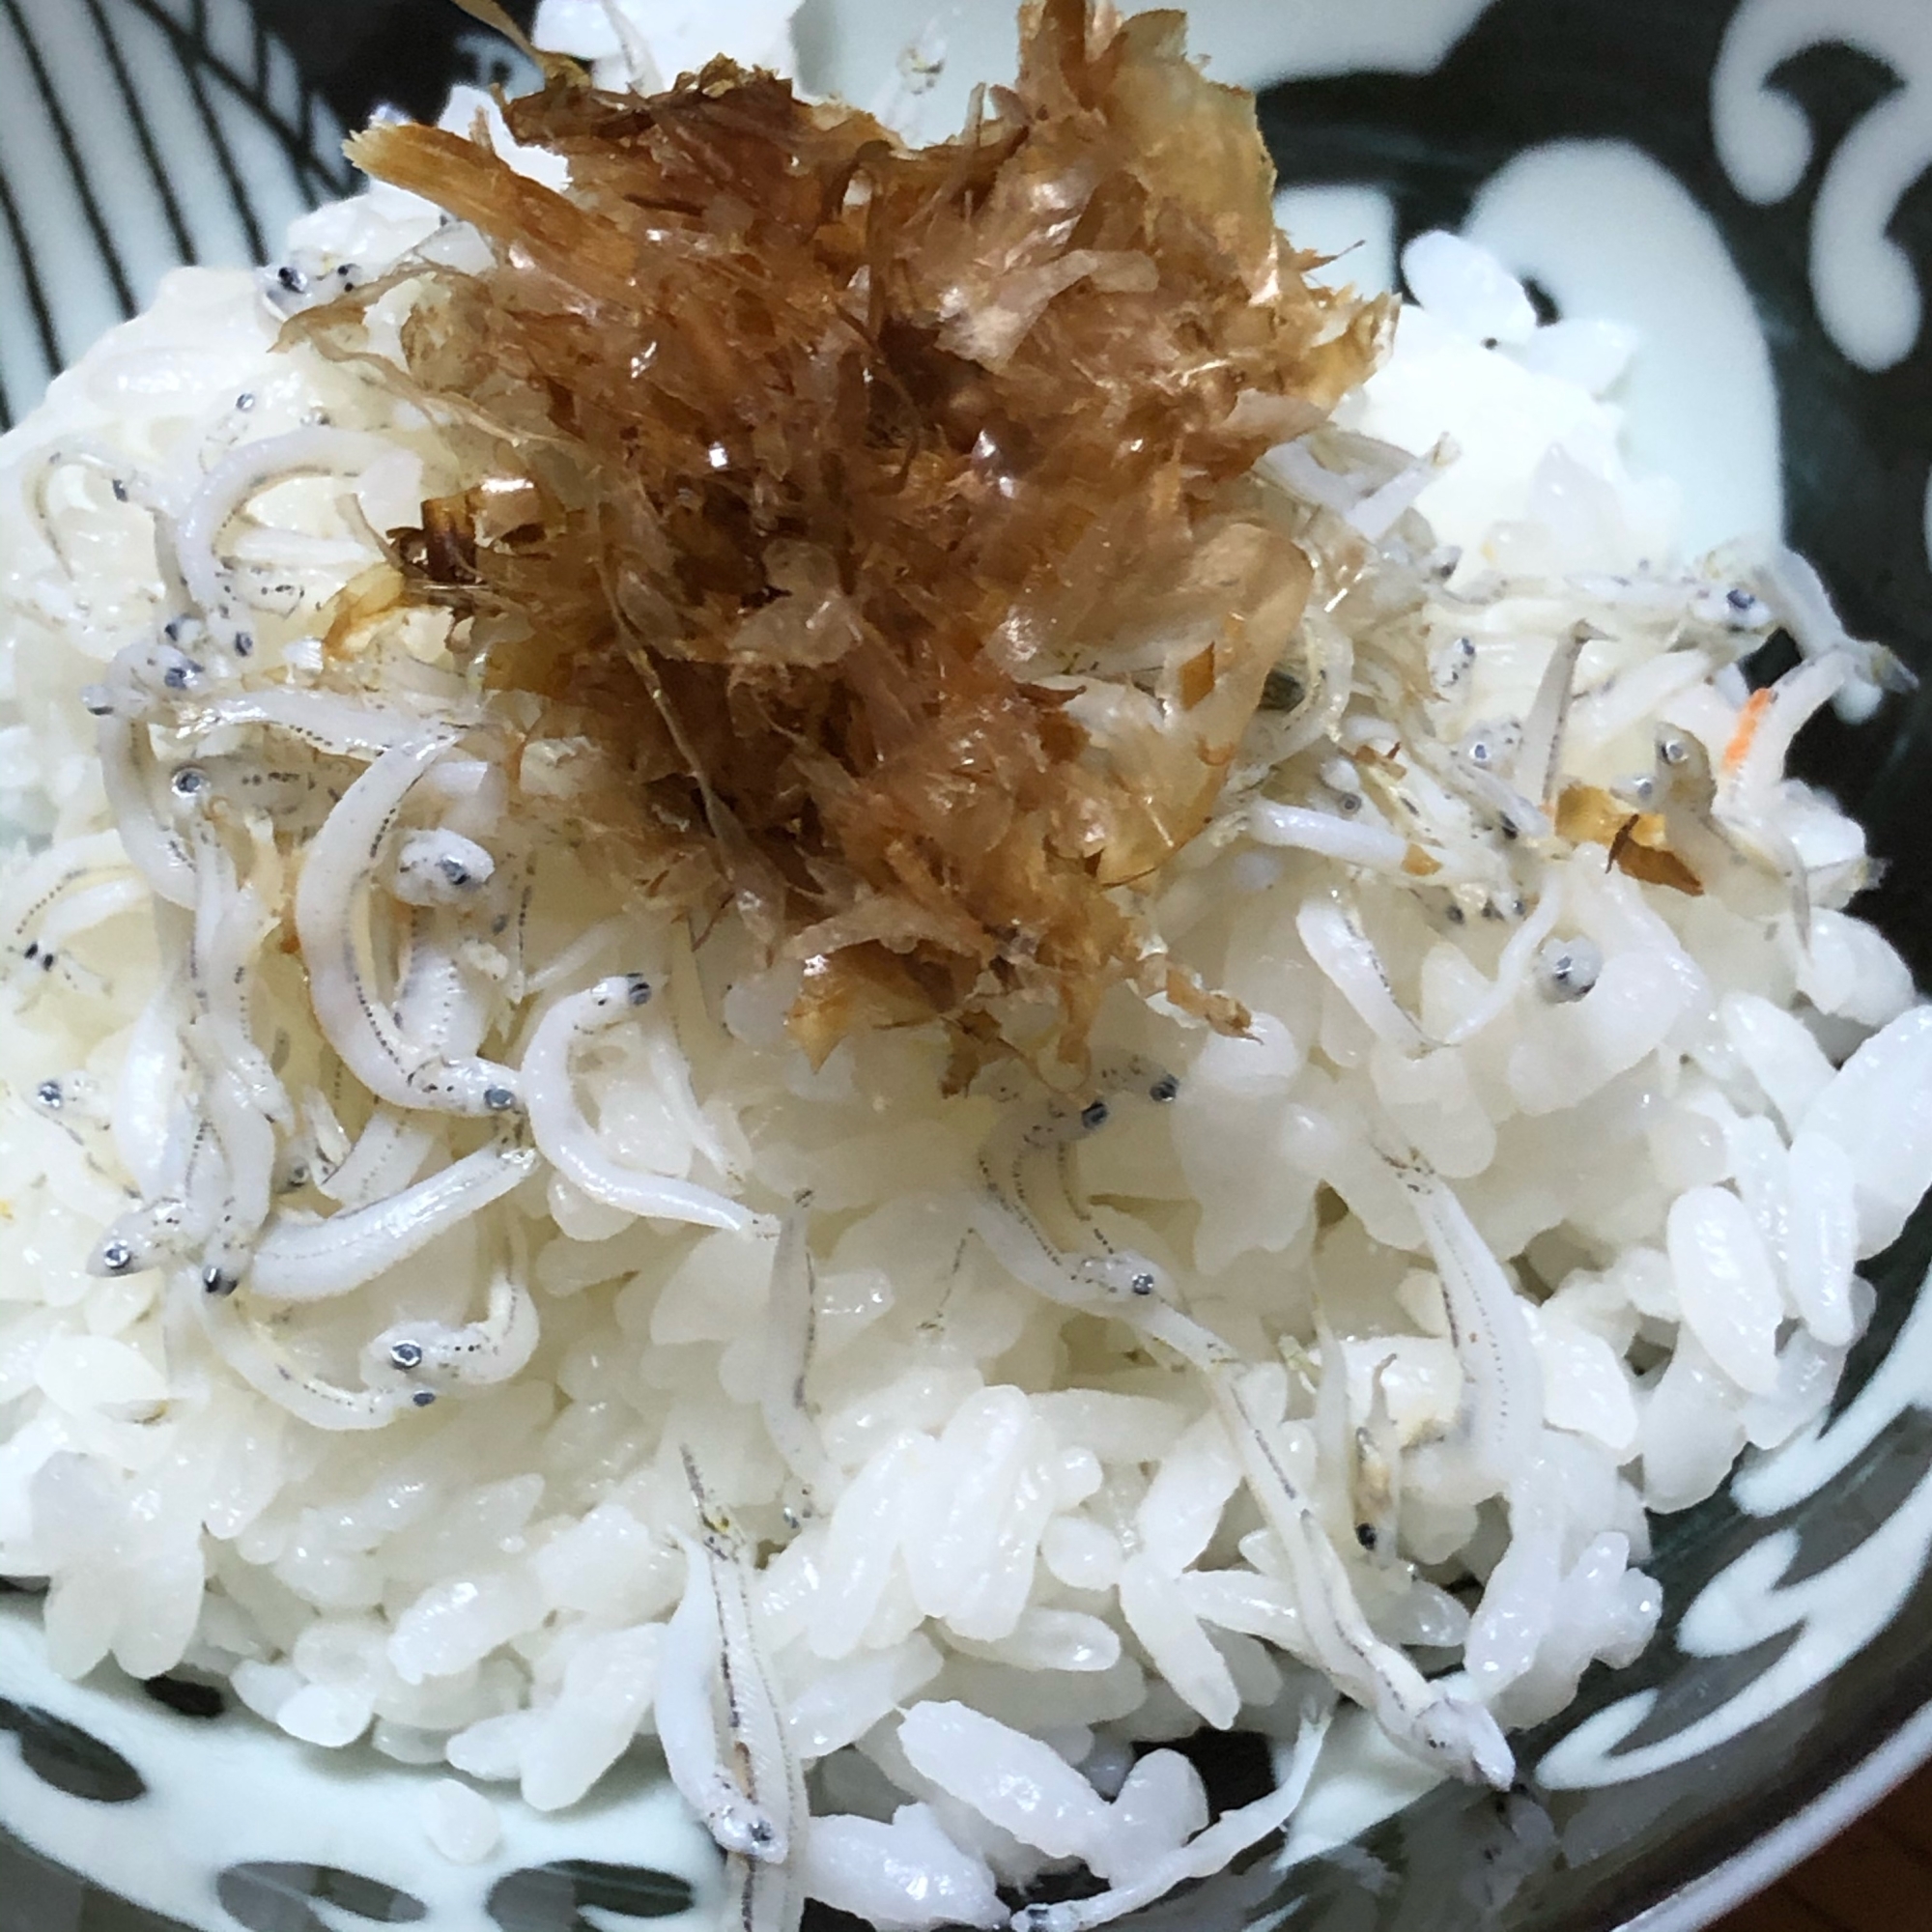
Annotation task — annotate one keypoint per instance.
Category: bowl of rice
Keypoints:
(960, 990)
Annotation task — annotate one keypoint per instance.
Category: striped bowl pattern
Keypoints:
(215, 142)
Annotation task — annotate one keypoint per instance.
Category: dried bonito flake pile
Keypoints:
(883, 521)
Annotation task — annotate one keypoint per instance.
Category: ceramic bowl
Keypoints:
(1746, 181)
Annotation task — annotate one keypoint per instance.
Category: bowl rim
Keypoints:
(1848, 1793)
(1746, 1874)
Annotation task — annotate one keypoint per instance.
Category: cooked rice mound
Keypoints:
(1012, 1109)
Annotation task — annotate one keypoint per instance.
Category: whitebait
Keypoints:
(267, 1369)
(1440, 1726)
(309, 1258)
(1520, 955)
(181, 1206)
(130, 778)
(1329, 674)
(1349, 959)
(127, 482)
(331, 924)
(1207, 1853)
(790, 1325)
(39, 886)
(688, 1675)
(436, 1010)
(1719, 849)
(1501, 1407)
(418, 1355)
(1364, 1506)
(324, 721)
(243, 1099)
(568, 1140)
(145, 1237)
(441, 1007)
(81, 911)
(1011, 1216)
(247, 1139)
(1330, 1376)
(1476, 768)
(742, 1778)
(1444, 1728)
(1326, 832)
(1539, 759)
(1375, 1474)
(231, 926)
(762, 1898)
(1791, 586)
(1567, 969)
(225, 491)
(440, 869)
(1467, 850)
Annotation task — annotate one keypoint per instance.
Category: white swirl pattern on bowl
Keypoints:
(1864, 283)
(1832, 1612)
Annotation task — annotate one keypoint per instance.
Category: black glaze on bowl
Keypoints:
(281, 1897)
(363, 54)
(553, 1897)
(1858, 448)
(69, 1758)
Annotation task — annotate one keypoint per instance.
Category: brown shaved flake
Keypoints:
(1654, 865)
(1637, 840)
(477, 186)
(359, 605)
(1197, 679)
(880, 523)
(1587, 814)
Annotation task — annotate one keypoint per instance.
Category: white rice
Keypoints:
(1520, 1215)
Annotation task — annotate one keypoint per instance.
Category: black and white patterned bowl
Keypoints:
(1749, 183)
